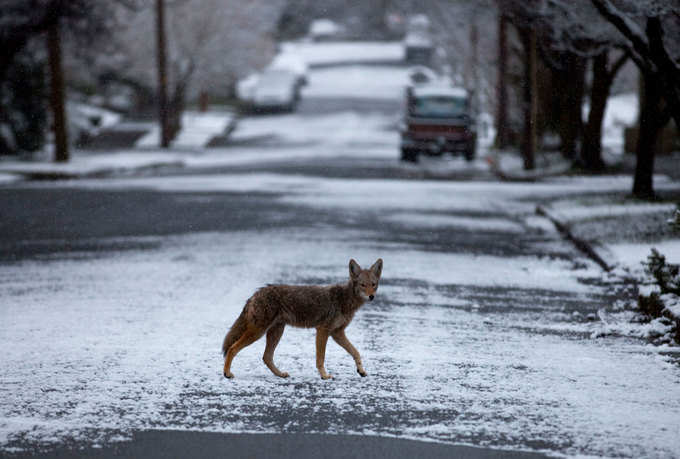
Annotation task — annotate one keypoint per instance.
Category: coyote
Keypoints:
(329, 309)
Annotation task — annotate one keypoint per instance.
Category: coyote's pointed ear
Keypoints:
(376, 269)
(354, 269)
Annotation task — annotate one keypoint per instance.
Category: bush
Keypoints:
(651, 305)
(666, 274)
(23, 117)
(667, 277)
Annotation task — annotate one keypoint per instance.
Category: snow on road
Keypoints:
(358, 81)
(316, 54)
(476, 348)
(343, 129)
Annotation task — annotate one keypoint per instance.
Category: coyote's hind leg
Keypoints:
(321, 340)
(273, 337)
(251, 335)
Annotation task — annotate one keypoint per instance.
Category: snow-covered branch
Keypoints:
(628, 29)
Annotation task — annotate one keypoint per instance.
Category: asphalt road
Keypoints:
(64, 220)
(67, 221)
(179, 444)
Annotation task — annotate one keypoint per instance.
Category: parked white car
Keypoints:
(292, 63)
(276, 90)
(245, 87)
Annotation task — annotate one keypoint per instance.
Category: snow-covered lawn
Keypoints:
(633, 254)
(579, 213)
(628, 253)
(465, 347)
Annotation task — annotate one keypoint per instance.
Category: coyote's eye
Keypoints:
(374, 284)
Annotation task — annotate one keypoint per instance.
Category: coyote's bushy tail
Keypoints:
(235, 332)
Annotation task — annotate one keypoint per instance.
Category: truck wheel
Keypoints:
(409, 155)
(470, 154)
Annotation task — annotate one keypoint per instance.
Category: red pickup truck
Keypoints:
(437, 120)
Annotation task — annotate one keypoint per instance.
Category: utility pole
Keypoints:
(530, 98)
(474, 63)
(162, 74)
(61, 153)
(502, 137)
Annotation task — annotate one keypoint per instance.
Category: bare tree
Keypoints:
(529, 99)
(210, 43)
(525, 15)
(604, 71)
(651, 30)
(162, 75)
(502, 121)
(23, 22)
(61, 153)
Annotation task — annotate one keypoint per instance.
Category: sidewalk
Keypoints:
(508, 166)
(86, 165)
(619, 233)
(126, 148)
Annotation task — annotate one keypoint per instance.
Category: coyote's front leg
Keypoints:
(321, 340)
(340, 338)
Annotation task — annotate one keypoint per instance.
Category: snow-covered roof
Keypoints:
(323, 27)
(439, 90)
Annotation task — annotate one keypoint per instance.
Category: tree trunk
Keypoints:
(591, 148)
(502, 134)
(530, 103)
(571, 122)
(61, 153)
(643, 186)
(474, 67)
(162, 75)
(175, 110)
(603, 77)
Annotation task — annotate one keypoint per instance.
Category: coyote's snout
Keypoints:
(329, 309)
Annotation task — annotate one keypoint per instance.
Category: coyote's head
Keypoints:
(365, 281)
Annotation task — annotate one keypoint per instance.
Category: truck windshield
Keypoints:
(439, 106)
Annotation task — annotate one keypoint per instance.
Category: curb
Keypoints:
(47, 174)
(584, 246)
(526, 176)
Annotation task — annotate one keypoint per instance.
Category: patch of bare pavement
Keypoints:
(170, 444)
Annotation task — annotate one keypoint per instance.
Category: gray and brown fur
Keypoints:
(329, 309)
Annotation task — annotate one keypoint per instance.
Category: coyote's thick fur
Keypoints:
(329, 309)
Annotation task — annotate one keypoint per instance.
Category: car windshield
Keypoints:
(439, 106)
(275, 77)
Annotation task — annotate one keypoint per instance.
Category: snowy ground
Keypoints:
(484, 331)
(470, 341)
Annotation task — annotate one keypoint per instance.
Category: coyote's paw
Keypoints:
(362, 373)
(327, 376)
(283, 375)
(228, 375)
